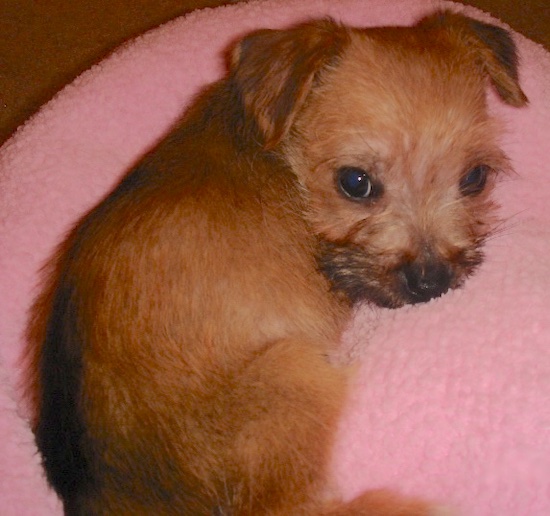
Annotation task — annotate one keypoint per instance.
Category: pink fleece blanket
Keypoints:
(452, 399)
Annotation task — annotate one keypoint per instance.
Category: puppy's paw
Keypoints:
(387, 503)
(442, 510)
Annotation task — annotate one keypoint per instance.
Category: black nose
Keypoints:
(424, 281)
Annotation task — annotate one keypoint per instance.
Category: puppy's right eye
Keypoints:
(354, 182)
(474, 180)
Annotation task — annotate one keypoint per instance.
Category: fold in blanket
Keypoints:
(451, 399)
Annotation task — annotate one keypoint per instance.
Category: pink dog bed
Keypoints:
(452, 399)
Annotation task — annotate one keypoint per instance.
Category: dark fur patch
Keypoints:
(60, 429)
(351, 272)
(137, 178)
(501, 44)
(361, 276)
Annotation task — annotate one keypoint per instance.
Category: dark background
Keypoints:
(44, 44)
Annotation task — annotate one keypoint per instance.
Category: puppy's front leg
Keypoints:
(280, 413)
(284, 406)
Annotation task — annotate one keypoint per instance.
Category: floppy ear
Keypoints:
(273, 72)
(496, 51)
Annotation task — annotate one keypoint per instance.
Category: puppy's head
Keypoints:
(388, 133)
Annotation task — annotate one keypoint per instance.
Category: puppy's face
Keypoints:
(397, 157)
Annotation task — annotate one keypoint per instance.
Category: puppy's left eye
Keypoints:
(474, 180)
(354, 182)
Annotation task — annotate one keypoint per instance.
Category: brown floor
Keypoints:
(44, 44)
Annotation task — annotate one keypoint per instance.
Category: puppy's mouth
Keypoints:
(361, 276)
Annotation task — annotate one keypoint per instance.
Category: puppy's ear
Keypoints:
(273, 72)
(496, 51)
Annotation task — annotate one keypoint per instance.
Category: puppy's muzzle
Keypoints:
(424, 280)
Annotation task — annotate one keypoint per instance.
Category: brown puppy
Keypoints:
(180, 348)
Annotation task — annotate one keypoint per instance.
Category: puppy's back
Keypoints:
(169, 283)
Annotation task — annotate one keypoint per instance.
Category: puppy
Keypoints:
(179, 351)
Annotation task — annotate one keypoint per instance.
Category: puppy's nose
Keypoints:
(424, 281)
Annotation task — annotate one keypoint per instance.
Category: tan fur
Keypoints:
(417, 127)
(181, 348)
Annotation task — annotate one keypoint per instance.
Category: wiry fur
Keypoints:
(179, 351)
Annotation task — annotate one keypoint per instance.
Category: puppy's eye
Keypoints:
(354, 183)
(474, 180)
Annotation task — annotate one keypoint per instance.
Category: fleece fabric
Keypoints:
(452, 398)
